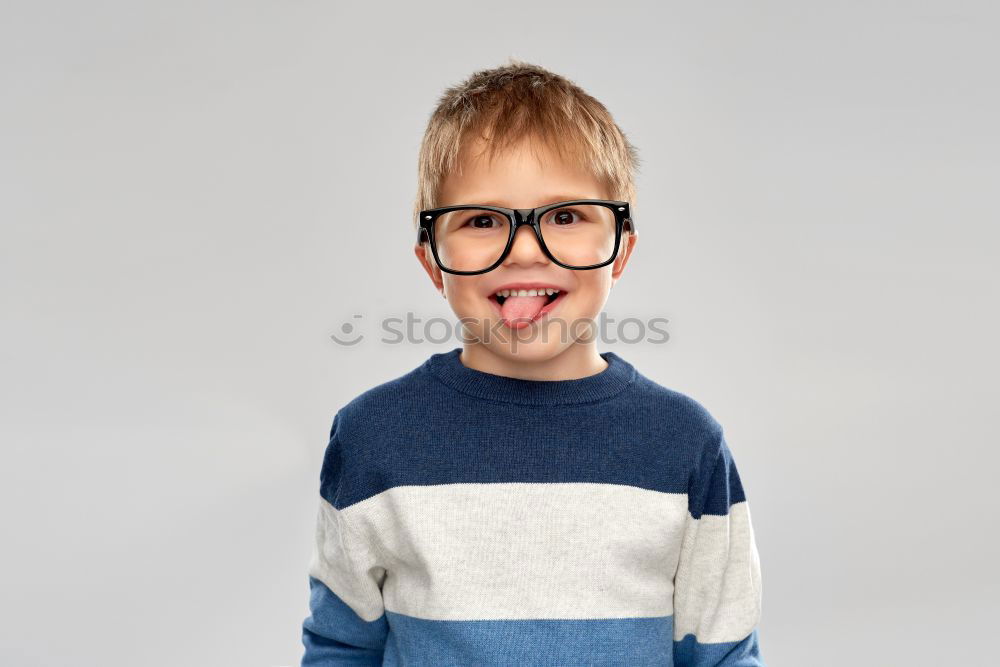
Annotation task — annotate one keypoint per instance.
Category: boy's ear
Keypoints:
(628, 243)
(423, 253)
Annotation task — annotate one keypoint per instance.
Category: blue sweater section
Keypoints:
(444, 423)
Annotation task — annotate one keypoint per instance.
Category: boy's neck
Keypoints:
(579, 360)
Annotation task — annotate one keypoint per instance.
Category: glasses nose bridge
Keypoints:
(525, 216)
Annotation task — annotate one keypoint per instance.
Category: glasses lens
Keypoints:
(579, 234)
(470, 239)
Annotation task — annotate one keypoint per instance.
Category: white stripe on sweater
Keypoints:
(543, 550)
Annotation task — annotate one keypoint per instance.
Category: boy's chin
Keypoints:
(536, 350)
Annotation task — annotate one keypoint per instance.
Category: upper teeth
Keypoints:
(545, 291)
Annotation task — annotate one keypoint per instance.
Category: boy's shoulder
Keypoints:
(675, 407)
(389, 400)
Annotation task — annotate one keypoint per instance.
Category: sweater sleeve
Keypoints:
(717, 586)
(347, 624)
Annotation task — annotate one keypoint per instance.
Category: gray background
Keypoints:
(196, 195)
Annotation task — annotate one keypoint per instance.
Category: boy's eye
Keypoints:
(482, 221)
(563, 216)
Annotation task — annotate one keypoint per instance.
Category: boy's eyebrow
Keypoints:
(553, 199)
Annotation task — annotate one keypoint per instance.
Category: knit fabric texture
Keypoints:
(467, 518)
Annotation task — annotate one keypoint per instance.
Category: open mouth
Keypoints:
(499, 298)
(522, 316)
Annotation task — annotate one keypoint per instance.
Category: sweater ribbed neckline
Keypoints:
(448, 368)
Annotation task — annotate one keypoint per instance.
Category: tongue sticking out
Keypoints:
(523, 308)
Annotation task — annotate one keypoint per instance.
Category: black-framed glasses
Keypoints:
(579, 234)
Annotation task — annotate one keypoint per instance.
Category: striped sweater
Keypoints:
(467, 518)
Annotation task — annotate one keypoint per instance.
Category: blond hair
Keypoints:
(518, 101)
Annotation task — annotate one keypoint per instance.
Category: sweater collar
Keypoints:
(448, 368)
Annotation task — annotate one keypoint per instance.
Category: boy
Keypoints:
(524, 499)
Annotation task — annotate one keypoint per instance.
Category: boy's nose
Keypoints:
(526, 247)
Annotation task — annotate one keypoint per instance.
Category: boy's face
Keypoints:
(526, 176)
